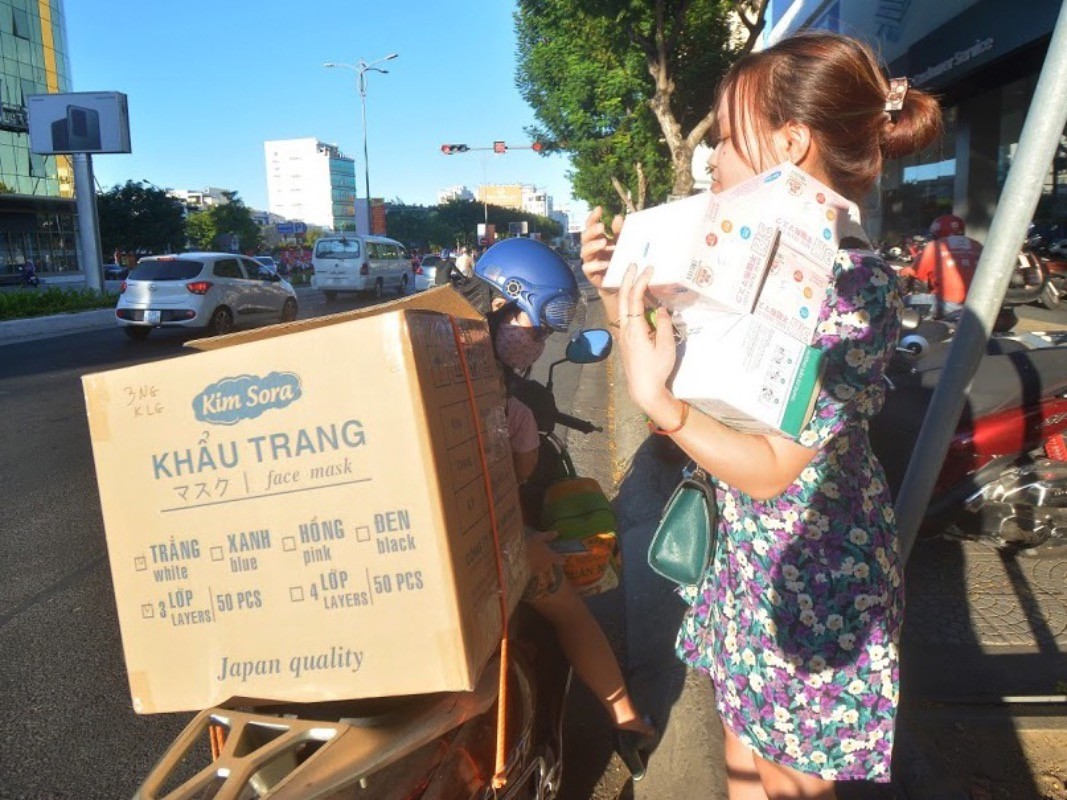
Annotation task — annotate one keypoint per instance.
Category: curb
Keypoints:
(13, 331)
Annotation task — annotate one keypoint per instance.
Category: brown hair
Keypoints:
(836, 86)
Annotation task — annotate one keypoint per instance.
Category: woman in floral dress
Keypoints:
(798, 620)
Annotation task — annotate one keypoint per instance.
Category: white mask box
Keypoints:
(765, 246)
(746, 373)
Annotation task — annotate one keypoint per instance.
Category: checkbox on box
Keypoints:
(140, 563)
(363, 533)
(296, 594)
(288, 543)
(216, 554)
(147, 612)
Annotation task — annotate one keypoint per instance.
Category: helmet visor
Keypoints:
(559, 312)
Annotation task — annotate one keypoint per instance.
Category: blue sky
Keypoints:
(209, 82)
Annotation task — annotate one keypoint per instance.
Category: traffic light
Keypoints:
(449, 149)
(537, 147)
(499, 147)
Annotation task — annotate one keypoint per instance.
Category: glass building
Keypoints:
(37, 218)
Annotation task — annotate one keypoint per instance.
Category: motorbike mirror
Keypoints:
(588, 347)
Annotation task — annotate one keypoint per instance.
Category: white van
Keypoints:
(350, 262)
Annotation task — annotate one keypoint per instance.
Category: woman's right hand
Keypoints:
(597, 247)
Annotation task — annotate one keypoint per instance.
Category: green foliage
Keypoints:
(203, 228)
(456, 223)
(200, 230)
(20, 303)
(595, 73)
(139, 218)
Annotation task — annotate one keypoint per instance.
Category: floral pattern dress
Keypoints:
(798, 619)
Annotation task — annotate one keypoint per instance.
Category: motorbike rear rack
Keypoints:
(288, 758)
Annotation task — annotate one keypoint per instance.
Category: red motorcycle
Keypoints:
(1004, 478)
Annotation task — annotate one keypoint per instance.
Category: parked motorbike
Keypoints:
(29, 277)
(425, 747)
(1004, 478)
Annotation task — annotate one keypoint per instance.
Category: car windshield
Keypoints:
(430, 261)
(337, 248)
(179, 269)
(265, 260)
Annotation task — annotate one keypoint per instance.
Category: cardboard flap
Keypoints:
(442, 299)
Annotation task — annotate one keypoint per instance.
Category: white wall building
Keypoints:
(199, 199)
(310, 181)
(450, 193)
(536, 201)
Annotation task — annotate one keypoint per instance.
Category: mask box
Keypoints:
(300, 513)
(766, 246)
(746, 373)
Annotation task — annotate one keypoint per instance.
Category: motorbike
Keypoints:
(424, 747)
(29, 277)
(1004, 478)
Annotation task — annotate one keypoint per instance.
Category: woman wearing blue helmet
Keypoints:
(540, 296)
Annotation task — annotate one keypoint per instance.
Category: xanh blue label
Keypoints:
(230, 400)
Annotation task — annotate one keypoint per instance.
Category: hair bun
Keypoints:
(915, 126)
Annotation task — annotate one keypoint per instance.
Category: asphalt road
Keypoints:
(67, 729)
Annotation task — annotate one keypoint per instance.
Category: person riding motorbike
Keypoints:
(946, 266)
(540, 296)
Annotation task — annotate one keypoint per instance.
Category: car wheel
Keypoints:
(1050, 296)
(331, 296)
(403, 285)
(379, 289)
(137, 332)
(289, 310)
(221, 321)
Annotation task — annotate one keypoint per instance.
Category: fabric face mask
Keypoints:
(518, 346)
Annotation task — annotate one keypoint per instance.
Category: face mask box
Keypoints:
(745, 373)
(304, 517)
(766, 246)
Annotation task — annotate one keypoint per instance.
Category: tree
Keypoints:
(456, 223)
(627, 87)
(231, 218)
(139, 218)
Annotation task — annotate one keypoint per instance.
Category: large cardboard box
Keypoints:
(766, 246)
(747, 374)
(304, 517)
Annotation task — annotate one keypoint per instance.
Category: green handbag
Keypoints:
(684, 542)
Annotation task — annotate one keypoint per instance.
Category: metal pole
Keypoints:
(485, 191)
(88, 224)
(1041, 134)
(366, 161)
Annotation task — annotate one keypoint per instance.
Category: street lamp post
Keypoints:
(362, 67)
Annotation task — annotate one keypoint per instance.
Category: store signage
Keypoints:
(957, 59)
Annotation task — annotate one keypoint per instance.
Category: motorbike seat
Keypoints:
(1014, 376)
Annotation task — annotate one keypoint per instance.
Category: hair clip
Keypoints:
(894, 99)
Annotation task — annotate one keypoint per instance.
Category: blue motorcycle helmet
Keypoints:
(534, 277)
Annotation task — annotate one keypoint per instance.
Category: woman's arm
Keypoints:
(760, 466)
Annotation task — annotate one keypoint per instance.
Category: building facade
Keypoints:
(982, 59)
(520, 196)
(450, 193)
(37, 215)
(312, 182)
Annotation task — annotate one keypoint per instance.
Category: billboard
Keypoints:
(79, 122)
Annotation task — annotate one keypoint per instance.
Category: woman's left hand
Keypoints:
(648, 355)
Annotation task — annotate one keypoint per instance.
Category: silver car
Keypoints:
(212, 291)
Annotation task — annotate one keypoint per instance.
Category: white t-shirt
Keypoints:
(465, 264)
